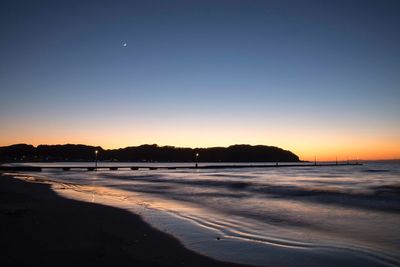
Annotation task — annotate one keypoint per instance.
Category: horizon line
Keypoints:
(334, 157)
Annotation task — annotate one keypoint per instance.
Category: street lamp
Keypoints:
(95, 155)
(197, 157)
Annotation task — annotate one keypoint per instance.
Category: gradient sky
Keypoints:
(315, 77)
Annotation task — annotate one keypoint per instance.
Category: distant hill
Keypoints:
(145, 153)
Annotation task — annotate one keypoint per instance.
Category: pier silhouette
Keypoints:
(194, 167)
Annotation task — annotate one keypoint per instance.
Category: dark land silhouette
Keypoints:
(145, 153)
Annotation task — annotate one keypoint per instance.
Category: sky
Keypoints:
(319, 78)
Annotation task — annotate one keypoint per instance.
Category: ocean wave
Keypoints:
(381, 197)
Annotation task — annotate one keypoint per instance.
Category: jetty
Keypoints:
(93, 167)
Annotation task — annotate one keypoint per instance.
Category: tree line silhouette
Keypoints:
(146, 153)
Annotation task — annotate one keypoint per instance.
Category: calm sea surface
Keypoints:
(278, 216)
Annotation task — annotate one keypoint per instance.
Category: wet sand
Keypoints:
(40, 228)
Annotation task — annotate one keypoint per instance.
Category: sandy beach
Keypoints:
(40, 228)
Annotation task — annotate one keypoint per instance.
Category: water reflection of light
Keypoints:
(317, 206)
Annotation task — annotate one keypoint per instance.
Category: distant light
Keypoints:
(124, 44)
(96, 152)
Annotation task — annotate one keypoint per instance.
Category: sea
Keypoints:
(294, 216)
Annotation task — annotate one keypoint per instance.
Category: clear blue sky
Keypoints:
(297, 74)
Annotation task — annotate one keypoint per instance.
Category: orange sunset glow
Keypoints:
(307, 145)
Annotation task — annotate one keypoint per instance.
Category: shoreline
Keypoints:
(39, 227)
(198, 237)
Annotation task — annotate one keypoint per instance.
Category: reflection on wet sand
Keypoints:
(328, 213)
